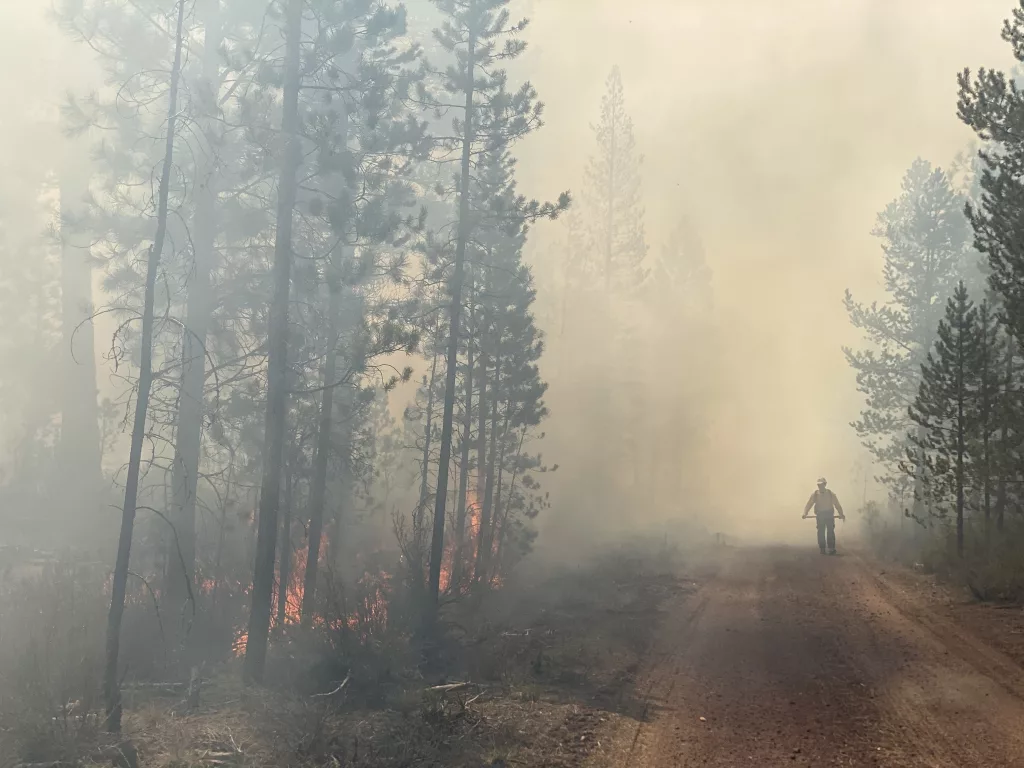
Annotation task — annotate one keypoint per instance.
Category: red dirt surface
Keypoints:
(785, 657)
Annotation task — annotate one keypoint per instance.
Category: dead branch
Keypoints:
(340, 687)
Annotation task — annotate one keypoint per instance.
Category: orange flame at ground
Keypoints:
(369, 616)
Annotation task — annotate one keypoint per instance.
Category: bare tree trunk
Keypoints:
(482, 556)
(277, 364)
(181, 555)
(437, 540)
(111, 684)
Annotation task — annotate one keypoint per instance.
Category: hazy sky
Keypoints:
(780, 128)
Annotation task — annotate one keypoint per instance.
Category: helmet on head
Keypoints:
(821, 481)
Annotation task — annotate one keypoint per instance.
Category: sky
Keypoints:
(780, 129)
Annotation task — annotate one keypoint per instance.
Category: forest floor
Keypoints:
(761, 656)
(552, 668)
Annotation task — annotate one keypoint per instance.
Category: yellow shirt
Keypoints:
(823, 502)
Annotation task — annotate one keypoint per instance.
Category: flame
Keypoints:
(473, 533)
(369, 617)
(296, 585)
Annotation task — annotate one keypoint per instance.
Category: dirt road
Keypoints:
(785, 657)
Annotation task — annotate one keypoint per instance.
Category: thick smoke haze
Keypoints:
(780, 130)
(776, 130)
(443, 382)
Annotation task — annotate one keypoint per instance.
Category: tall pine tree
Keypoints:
(925, 239)
(479, 37)
(945, 409)
(992, 104)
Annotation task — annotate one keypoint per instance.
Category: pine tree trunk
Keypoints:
(345, 406)
(1001, 492)
(218, 555)
(987, 488)
(503, 528)
(467, 429)
(481, 455)
(919, 486)
(421, 507)
(119, 583)
(318, 493)
(181, 554)
(495, 527)
(285, 555)
(277, 364)
(484, 541)
(960, 449)
(437, 540)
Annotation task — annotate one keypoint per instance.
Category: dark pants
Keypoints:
(826, 531)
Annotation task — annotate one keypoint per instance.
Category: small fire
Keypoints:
(369, 617)
(296, 585)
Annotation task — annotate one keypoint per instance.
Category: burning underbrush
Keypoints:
(539, 672)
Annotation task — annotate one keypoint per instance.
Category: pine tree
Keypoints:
(277, 357)
(119, 583)
(946, 407)
(925, 239)
(612, 196)
(477, 34)
(368, 140)
(1009, 436)
(205, 276)
(989, 380)
(604, 349)
(991, 104)
(189, 417)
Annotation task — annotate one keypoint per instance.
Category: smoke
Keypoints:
(778, 130)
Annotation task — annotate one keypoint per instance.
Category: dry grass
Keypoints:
(550, 663)
(469, 729)
(229, 737)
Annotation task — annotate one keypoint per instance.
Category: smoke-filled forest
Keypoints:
(402, 383)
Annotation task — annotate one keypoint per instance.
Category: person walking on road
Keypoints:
(825, 505)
